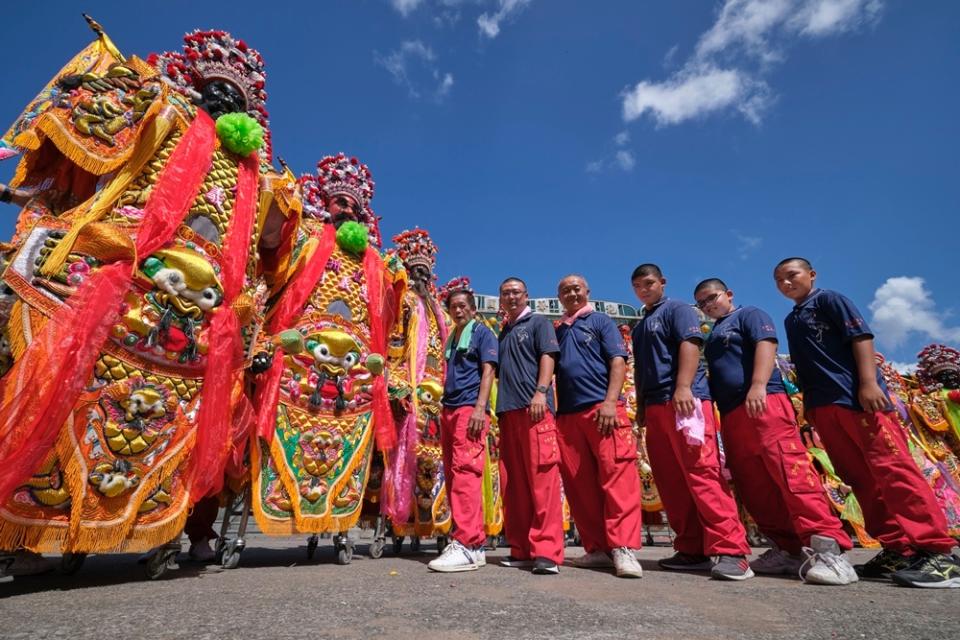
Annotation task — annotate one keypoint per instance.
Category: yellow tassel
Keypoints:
(159, 127)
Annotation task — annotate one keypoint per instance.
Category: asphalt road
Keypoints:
(277, 593)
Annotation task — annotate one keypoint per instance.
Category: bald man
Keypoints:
(598, 451)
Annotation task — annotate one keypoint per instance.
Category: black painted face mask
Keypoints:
(220, 97)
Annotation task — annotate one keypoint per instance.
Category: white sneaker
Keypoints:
(480, 556)
(776, 562)
(593, 560)
(826, 563)
(455, 557)
(625, 563)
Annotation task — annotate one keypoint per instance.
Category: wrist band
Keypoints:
(6, 195)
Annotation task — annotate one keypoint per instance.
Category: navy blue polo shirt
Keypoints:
(461, 387)
(729, 352)
(656, 345)
(819, 331)
(583, 368)
(522, 343)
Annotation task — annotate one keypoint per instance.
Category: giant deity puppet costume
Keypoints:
(134, 308)
(414, 496)
(321, 411)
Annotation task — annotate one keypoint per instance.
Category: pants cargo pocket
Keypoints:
(797, 470)
(624, 444)
(548, 449)
(469, 458)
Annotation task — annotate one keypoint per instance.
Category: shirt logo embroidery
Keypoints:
(522, 334)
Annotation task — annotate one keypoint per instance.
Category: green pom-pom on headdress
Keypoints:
(353, 237)
(239, 133)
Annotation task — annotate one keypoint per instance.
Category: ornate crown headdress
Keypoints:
(934, 359)
(415, 247)
(340, 175)
(216, 55)
(460, 283)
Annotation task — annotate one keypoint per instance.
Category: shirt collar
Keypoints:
(810, 296)
(655, 306)
(523, 314)
(583, 311)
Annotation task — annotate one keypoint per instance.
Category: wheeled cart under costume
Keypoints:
(414, 494)
(320, 411)
(133, 308)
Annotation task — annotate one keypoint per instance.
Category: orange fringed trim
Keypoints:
(41, 537)
(308, 524)
(121, 533)
(21, 326)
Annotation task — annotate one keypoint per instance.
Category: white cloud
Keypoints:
(747, 244)
(907, 368)
(414, 65)
(594, 166)
(622, 138)
(694, 93)
(727, 66)
(625, 160)
(489, 23)
(406, 7)
(903, 305)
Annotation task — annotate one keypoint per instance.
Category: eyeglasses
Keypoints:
(706, 302)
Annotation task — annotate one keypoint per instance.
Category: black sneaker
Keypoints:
(932, 571)
(510, 561)
(686, 562)
(731, 568)
(545, 567)
(884, 564)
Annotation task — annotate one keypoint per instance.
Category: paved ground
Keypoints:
(277, 593)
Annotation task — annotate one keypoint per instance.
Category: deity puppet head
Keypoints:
(419, 256)
(341, 192)
(218, 73)
(938, 367)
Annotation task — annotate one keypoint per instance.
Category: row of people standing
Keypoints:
(590, 444)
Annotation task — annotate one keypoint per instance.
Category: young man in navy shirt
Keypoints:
(846, 401)
(529, 451)
(764, 453)
(598, 451)
(673, 402)
(471, 355)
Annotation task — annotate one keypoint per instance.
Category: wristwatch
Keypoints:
(543, 389)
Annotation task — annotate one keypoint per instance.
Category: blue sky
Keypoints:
(542, 137)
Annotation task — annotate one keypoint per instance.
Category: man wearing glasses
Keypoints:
(528, 435)
(765, 455)
(673, 402)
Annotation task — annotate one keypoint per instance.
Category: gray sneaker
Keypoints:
(826, 563)
(776, 562)
(731, 568)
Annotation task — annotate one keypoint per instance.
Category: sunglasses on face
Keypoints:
(706, 302)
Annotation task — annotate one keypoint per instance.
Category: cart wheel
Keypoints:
(376, 549)
(441, 543)
(162, 561)
(230, 559)
(70, 563)
(312, 543)
(415, 544)
(220, 546)
(397, 544)
(6, 561)
(345, 554)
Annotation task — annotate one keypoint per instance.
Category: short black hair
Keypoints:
(471, 300)
(803, 263)
(512, 279)
(646, 269)
(710, 283)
